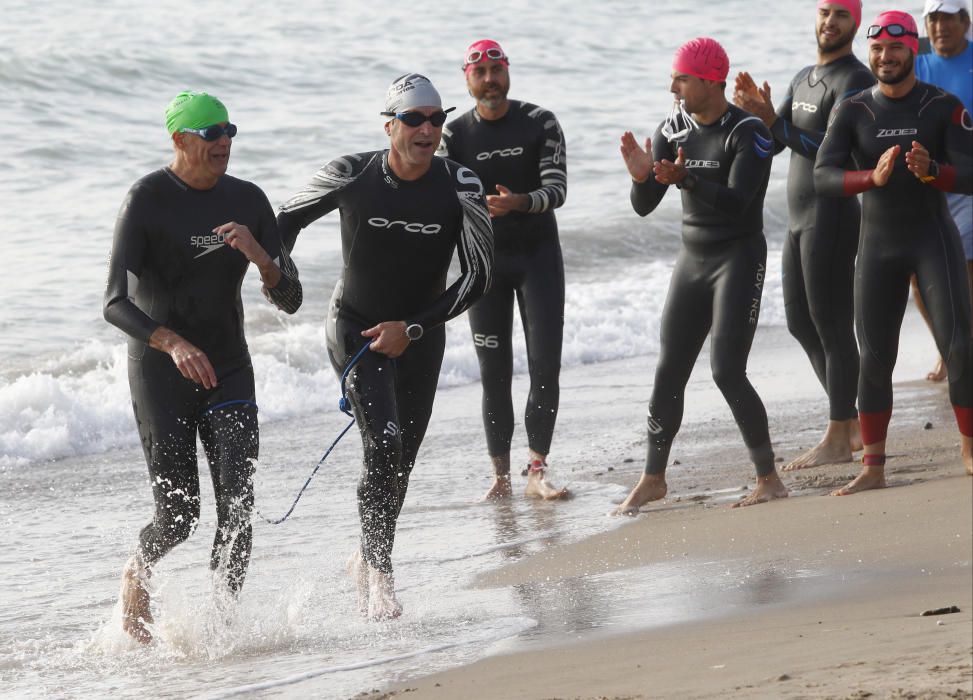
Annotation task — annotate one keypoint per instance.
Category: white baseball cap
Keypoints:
(950, 7)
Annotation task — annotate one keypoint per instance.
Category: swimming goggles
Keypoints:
(212, 133)
(672, 129)
(415, 119)
(893, 30)
(493, 53)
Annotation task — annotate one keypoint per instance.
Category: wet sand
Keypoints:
(808, 597)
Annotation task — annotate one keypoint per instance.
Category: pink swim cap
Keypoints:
(903, 19)
(853, 6)
(702, 57)
(482, 50)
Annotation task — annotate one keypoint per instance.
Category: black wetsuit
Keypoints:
(822, 237)
(718, 278)
(169, 269)
(397, 240)
(906, 229)
(523, 151)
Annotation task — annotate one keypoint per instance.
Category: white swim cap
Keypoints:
(410, 91)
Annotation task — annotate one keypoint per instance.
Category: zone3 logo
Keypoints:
(702, 164)
(884, 133)
(428, 229)
(502, 152)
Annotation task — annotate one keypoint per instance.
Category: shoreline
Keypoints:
(830, 588)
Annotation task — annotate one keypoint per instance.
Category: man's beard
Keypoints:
(897, 78)
(496, 98)
(836, 44)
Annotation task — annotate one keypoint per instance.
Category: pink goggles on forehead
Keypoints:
(481, 51)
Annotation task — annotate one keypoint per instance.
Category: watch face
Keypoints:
(413, 331)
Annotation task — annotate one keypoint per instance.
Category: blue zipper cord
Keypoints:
(344, 405)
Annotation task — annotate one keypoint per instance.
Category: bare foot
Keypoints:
(967, 453)
(358, 571)
(870, 478)
(501, 488)
(651, 487)
(136, 612)
(382, 603)
(835, 447)
(769, 488)
(538, 487)
(855, 435)
(938, 372)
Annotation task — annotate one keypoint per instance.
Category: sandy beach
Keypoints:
(809, 597)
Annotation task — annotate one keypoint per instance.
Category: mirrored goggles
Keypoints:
(415, 119)
(212, 133)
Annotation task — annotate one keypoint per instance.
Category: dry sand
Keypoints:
(855, 631)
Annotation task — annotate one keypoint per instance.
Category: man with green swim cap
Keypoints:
(184, 239)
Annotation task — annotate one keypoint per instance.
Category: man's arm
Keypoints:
(830, 177)
(646, 191)
(553, 170)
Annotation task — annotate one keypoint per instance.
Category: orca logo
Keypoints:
(805, 106)
(427, 229)
(501, 152)
(885, 133)
(490, 342)
(702, 164)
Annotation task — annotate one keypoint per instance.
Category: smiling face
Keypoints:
(413, 147)
(489, 82)
(891, 61)
(947, 32)
(834, 29)
(203, 161)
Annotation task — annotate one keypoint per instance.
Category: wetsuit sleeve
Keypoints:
(475, 248)
(552, 165)
(288, 294)
(752, 146)
(129, 248)
(646, 195)
(783, 128)
(320, 196)
(830, 177)
(956, 174)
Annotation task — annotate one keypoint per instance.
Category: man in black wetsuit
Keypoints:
(719, 157)
(915, 142)
(184, 239)
(517, 150)
(822, 237)
(403, 213)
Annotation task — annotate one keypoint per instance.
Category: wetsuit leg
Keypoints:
(541, 302)
(828, 261)
(881, 294)
(799, 321)
(165, 405)
(392, 402)
(229, 434)
(738, 289)
(491, 322)
(942, 277)
(685, 322)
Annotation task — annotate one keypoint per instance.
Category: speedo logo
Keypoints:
(210, 242)
(885, 133)
(804, 106)
(702, 164)
(501, 152)
(427, 229)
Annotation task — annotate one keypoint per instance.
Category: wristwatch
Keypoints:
(413, 330)
(933, 172)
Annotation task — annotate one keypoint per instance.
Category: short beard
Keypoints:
(902, 75)
(839, 43)
(491, 103)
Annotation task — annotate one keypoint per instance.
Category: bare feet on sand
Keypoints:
(382, 603)
(841, 439)
(967, 453)
(651, 487)
(938, 372)
(871, 477)
(769, 488)
(358, 571)
(136, 612)
(539, 487)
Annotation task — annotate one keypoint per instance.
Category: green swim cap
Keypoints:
(194, 110)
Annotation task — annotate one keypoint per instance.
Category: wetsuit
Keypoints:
(523, 151)
(169, 269)
(397, 240)
(822, 237)
(906, 229)
(718, 278)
